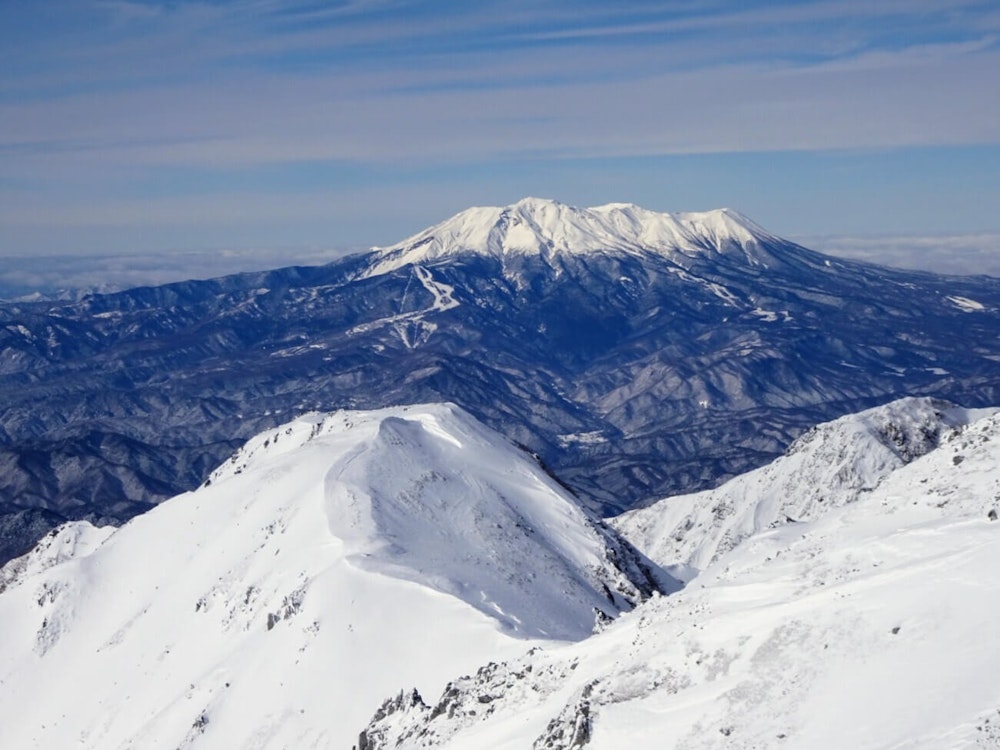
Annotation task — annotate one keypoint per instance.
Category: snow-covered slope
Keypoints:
(872, 627)
(831, 465)
(331, 560)
(536, 226)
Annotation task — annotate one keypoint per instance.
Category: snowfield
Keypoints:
(871, 626)
(831, 465)
(330, 561)
(536, 226)
(330, 584)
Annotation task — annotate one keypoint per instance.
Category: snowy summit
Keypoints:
(536, 226)
(329, 561)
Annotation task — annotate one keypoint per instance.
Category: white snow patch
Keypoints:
(538, 226)
(444, 298)
(717, 289)
(594, 437)
(770, 316)
(412, 328)
(966, 304)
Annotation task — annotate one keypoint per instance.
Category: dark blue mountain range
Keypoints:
(638, 354)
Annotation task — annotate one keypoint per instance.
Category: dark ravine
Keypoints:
(632, 374)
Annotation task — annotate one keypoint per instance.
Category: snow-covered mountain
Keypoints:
(831, 465)
(539, 227)
(639, 354)
(870, 626)
(330, 582)
(329, 561)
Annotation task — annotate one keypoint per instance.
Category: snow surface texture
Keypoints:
(872, 626)
(536, 226)
(831, 465)
(331, 560)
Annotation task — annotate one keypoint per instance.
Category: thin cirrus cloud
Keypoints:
(163, 110)
(718, 109)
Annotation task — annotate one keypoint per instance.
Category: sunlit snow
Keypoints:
(331, 560)
(538, 226)
(869, 626)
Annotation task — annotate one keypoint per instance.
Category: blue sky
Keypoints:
(155, 127)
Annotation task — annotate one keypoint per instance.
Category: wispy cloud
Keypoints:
(928, 101)
(126, 110)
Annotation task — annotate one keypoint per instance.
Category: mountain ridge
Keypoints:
(634, 375)
(841, 631)
(274, 606)
(548, 227)
(833, 464)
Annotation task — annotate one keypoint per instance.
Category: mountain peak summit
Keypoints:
(546, 227)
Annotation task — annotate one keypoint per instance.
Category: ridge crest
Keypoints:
(542, 226)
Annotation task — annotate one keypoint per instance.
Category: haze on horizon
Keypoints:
(165, 129)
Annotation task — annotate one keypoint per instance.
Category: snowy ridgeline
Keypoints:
(833, 464)
(843, 596)
(870, 625)
(536, 226)
(331, 560)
